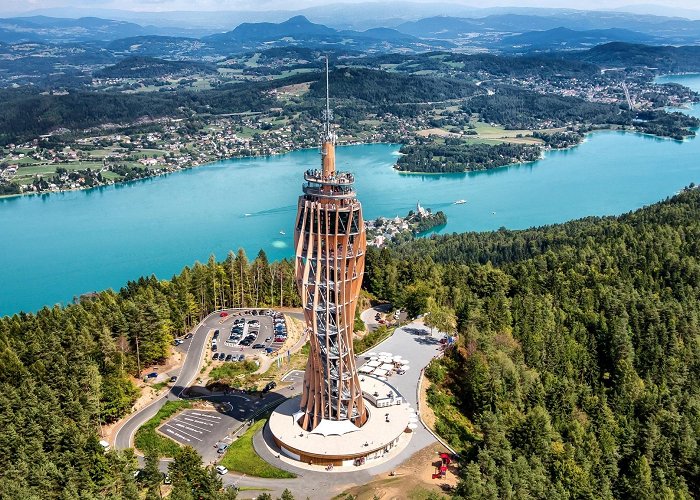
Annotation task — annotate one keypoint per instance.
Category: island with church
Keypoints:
(382, 230)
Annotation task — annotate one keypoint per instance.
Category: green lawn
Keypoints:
(242, 458)
(228, 371)
(148, 439)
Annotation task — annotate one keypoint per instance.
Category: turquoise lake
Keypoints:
(58, 246)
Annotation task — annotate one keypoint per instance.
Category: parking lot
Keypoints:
(294, 377)
(248, 332)
(201, 429)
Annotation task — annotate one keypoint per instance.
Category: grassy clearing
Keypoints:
(157, 387)
(242, 458)
(226, 372)
(147, 439)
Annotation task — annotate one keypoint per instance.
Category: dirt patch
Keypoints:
(426, 412)
(413, 479)
(436, 131)
(296, 89)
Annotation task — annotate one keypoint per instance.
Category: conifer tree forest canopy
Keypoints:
(64, 370)
(577, 370)
(576, 373)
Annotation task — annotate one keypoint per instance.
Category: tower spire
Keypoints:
(328, 102)
(328, 139)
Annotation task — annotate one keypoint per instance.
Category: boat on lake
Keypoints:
(460, 202)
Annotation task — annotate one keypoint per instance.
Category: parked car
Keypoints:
(269, 350)
(258, 346)
(221, 448)
(189, 336)
(173, 378)
(267, 339)
(215, 356)
(228, 357)
(223, 314)
(269, 386)
(152, 375)
(221, 469)
(166, 478)
(254, 312)
(253, 322)
(241, 357)
(280, 340)
(214, 348)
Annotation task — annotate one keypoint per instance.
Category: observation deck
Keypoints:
(337, 186)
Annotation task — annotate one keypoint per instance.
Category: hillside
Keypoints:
(577, 369)
(151, 67)
(665, 59)
(567, 39)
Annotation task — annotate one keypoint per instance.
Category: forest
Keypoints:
(152, 67)
(65, 371)
(381, 87)
(576, 373)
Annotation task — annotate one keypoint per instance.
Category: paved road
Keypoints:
(414, 343)
(368, 315)
(193, 358)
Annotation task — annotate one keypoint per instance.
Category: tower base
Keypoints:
(341, 443)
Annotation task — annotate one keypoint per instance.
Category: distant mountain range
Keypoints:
(61, 30)
(537, 31)
(671, 30)
(567, 39)
(625, 55)
(299, 31)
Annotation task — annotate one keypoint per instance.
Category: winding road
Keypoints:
(413, 341)
(124, 437)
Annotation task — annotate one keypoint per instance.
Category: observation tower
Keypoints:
(330, 247)
(334, 421)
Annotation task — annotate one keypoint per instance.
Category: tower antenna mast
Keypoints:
(328, 103)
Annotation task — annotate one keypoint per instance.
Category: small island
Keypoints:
(382, 231)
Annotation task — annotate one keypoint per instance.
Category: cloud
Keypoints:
(264, 5)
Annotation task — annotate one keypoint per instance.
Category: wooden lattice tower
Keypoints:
(330, 244)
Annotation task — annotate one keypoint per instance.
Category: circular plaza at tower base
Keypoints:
(341, 443)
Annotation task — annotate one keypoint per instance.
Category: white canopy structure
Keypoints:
(380, 372)
(373, 364)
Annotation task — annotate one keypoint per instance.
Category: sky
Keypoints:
(262, 5)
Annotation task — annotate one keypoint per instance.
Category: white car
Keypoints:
(221, 469)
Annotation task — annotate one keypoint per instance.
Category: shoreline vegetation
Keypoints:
(158, 173)
(382, 230)
(503, 118)
(459, 155)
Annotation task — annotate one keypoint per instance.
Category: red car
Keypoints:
(223, 314)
